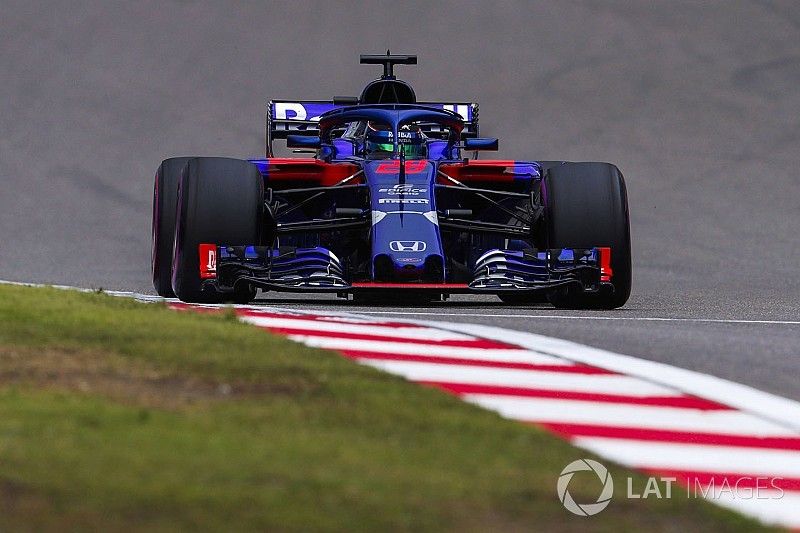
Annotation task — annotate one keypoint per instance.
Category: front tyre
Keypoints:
(586, 206)
(220, 201)
(165, 200)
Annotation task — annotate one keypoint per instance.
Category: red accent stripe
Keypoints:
(567, 369)
(294, 161)
(491, 163)
(285, 172)
(687, 402)
(207, 254)
(605, 264)
(696, 480)
(585, 430)
(376, 285)
(480, 170)
(465, 343)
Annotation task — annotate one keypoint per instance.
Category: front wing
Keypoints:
(289, 269)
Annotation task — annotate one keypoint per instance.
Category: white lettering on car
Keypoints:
(402, 201)
(283, 108)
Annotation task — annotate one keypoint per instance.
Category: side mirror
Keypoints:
(303, 141)
(481, 143)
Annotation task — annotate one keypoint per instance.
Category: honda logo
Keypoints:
(408, 246)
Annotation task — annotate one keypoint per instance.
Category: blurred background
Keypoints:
(696, 102)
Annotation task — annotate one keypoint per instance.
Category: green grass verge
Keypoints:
(115, 415)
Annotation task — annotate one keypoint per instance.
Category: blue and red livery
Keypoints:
(410, 216)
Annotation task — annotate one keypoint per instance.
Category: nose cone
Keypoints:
(406, 245)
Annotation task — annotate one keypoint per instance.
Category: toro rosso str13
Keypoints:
(389, 205)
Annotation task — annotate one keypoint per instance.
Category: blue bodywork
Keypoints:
(382, 222)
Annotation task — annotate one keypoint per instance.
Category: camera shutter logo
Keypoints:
(585, 509)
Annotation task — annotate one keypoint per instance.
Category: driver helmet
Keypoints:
(380, 140)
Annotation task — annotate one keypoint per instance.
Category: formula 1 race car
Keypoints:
(389, 207)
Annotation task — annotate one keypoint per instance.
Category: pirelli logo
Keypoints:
(402, 201)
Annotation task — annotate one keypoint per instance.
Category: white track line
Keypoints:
(695, 457)
(772, 507)
(536, 379)
(583, 317)
(628, 415)
(412, 332)
(409, 348)
(748, 399)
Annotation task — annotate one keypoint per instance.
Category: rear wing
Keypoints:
(290, 117)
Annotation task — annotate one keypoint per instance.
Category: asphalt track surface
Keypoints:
(697, 103)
